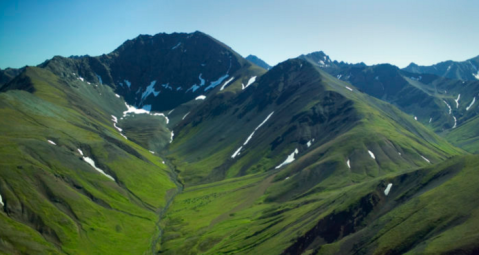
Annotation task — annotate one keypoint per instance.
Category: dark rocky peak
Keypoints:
(257, 61)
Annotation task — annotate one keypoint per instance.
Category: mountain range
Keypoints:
(176, 144)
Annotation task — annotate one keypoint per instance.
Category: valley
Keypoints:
(176, 144)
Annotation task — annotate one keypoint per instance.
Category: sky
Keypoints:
(371, 31)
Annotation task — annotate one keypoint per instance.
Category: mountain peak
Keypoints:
(257, 61)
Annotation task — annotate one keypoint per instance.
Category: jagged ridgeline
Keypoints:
(175, 144)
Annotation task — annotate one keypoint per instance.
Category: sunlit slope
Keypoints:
(429, 210)
(54, 201)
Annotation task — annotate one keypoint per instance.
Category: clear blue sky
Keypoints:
(372, 31)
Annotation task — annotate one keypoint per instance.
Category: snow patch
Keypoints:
(185, 115)
(262, 123)
(213, 84)
(425, 159)
(226, 83)
(117, 95)
(309, 143)
(1, 201)
(457, 100)
(472, 103)
(127, 83)
(81, 78)
(415, 117)
(202, 97)
(167, 86)
(171, 137)
(349, 88)
(170, 111)
(236, 153)
(388, 189)
(348, 163)
(80, 151)
(176, 46)
(99, 78)
(92, 163)
(430, 120)
(450, 109)
(289, 159)
(250, 81)
(152, 152)
(339, 76)
(50, 141)
(371, 154)
(150, 90)
(455, 122)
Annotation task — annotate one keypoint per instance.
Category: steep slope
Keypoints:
(262, 166)
(257, 61)
(464, 71)
(70, 182)
(440, 103)
(8, 74)
(466, 136)
(159, 72)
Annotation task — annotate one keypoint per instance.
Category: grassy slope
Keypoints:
(50, 189)
(267, 210)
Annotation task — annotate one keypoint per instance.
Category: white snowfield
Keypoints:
(202, 97)
(80, 151)
(425, 159)
(52, 142)
(388, 189)
(92, 163)
(289, 159)
(457, 100)
(472, 103)
(348, 163)
(262, 123)
(150, 90)
(1, 200)
(371, 154)
(349, 88)
(117, 95)
(415, 117)
(450, 109)
(237, 152)
(145, 110)
(250, 81)
(176, 46)
(171, 137)
(226, 83)
(213, 84)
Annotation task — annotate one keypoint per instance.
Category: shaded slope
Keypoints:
(159, 72)
(464, 71)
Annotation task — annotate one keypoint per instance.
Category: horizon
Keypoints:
(372, 32)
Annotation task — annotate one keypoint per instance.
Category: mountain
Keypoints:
(305, 149)
(8, 74)
(440, 103)
(167, 68)
(257, 61)
(464, 71)
(98, 157)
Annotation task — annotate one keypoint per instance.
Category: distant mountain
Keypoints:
(257, 61)
(464, 71)
(8, 74)
(159, 72)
